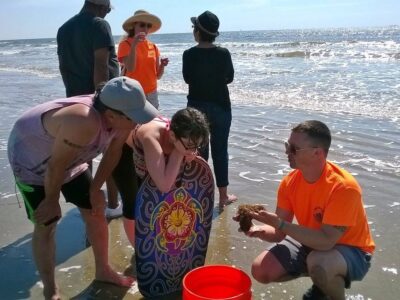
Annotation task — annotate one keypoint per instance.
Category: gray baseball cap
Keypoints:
(126, 95)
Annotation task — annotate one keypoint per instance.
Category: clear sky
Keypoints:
(41, 18)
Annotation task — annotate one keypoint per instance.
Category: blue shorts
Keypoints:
(293, 257)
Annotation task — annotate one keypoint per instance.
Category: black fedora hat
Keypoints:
(207, 22)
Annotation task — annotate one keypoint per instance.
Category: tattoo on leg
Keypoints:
(71, 144)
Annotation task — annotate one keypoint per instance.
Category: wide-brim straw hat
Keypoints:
(145, 17)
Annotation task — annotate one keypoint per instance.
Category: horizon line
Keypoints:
(228, 31)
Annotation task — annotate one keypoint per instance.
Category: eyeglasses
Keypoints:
(144, 25)
(292, 149)
(189, 148)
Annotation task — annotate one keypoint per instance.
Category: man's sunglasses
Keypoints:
(144, 25)
(292, 149)
(108, 8)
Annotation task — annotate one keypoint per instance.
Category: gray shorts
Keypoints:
(293, 257)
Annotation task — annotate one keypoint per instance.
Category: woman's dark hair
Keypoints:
(97, 104)
(191, 124)
(318, 133)
(205, 37)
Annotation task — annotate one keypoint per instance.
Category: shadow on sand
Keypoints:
(20, 275)
(105, 291)
(17, 265)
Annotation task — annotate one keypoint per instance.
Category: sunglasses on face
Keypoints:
(189, 148)
(108, 8)
(145, 25)
(292, 149)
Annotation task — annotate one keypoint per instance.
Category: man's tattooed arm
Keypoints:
(71, 144)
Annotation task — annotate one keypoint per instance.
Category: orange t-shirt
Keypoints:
(335, 199)
(146, 63)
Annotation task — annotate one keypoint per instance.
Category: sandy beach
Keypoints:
(257, 163)
(348, 79)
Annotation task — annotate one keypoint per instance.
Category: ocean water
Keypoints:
(347, 78)
(344, 70)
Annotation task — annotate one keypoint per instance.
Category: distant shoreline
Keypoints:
(242, 31)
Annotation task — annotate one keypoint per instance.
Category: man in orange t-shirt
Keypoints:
(331, 241)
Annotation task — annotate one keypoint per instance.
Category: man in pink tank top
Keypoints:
(48, 148)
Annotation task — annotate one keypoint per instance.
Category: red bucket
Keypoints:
(216, 282)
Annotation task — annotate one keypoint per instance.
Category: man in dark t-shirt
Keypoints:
(87, 57)
(86, 49)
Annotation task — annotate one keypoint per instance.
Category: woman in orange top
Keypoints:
(139, 57)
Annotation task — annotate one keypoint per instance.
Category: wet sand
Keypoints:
(75, 265)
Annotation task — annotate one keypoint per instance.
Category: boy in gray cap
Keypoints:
(48, 148)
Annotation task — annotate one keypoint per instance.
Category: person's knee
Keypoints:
(260, 274)
(315, 258)
(93, 219)
(46, 233)
(317, 268)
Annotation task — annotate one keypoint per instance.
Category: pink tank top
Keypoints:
(29, 145)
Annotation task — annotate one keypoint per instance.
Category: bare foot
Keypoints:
(112, 277)
(226, 201)
(51, 294)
